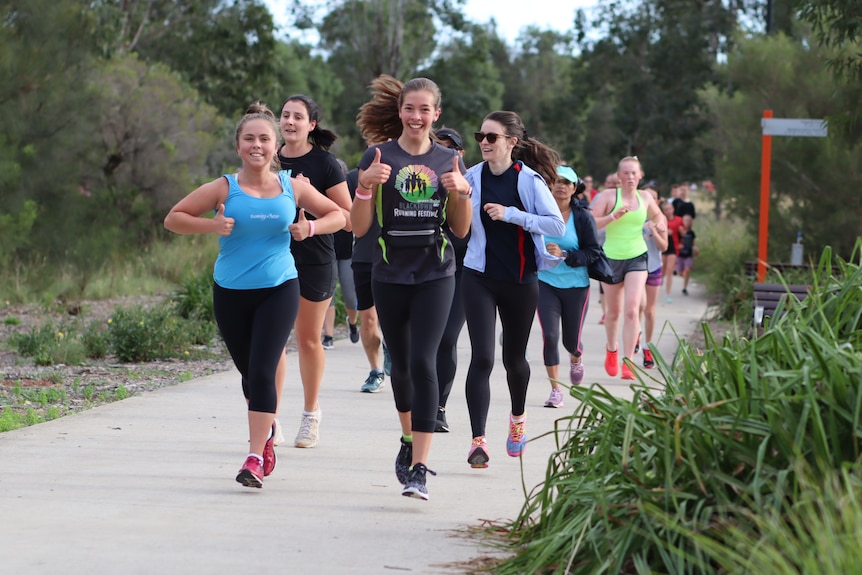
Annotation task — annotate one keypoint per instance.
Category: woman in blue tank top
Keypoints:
(256, 292)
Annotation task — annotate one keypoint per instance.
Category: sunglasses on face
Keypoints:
(490, 136)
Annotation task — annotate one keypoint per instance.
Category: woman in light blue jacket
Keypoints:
(512, 209)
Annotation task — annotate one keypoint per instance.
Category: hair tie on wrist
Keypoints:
(310, 228)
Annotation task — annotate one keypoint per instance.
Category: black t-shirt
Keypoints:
(322, 169)
(683, 207)
(343, 239)
(505, 239)
(686, 244)
(412, 202)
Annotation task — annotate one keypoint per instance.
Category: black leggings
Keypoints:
(570, 306)
(255, 325)
(412, 318)
(483, 297)
(447, 353)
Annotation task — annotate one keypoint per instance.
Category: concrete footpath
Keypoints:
(146, 485)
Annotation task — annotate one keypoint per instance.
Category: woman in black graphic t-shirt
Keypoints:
(411, 185)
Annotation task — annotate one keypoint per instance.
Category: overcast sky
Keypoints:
(511, 15)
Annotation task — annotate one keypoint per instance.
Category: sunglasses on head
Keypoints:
(490, 136)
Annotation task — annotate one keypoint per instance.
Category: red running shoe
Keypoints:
(269, 453)
(649, 363)
(251, 472)
(612, 362)
(627, 373)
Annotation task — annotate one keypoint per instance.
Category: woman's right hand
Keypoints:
(376, 173)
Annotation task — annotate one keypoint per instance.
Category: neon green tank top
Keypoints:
(624, 238)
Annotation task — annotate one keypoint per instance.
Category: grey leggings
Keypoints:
(566, 304)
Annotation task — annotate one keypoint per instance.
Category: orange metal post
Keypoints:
(763, 234)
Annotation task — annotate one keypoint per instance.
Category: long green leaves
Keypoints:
(651, 484)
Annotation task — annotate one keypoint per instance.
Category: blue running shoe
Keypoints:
(517, 437)
(373, 383)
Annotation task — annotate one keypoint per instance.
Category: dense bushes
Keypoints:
(721, 450)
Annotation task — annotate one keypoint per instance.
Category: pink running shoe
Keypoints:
(251, 472)
(478, 456)
(627, 373)
(269, 453)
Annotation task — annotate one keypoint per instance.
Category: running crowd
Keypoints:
(422, 245)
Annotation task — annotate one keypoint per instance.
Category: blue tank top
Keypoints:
(257, 253)
(564, 276)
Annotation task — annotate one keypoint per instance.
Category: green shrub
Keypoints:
(194, 299)
(818, 532)
(95, 340)
(138, 334)
(716, 439)
(50, 345)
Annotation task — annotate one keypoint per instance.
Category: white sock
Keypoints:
(311, 412)
(256, 456)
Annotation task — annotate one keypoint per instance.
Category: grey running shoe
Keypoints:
(354, 332)
(415, 486)
(309, 430)
(403, 461)
(373, 382)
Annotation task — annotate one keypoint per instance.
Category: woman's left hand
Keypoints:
(554, 249)
(454, 181)
(495, 211)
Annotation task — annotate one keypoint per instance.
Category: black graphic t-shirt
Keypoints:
(411, 247)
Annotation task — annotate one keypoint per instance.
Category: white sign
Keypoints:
(794, 127)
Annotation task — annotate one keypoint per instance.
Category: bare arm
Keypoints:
(341, 196)
(329, 216)
(186, 216)
(459, 208)
(362, 211)
(602, 207)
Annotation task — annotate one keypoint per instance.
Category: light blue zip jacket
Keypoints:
(541, 216)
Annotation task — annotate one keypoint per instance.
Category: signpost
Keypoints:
(777, 127)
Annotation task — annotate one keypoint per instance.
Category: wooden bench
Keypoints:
(768, 296)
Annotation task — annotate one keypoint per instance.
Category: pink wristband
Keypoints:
(310, 228)
(359, 196)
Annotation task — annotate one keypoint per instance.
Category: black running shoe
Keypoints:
(354, 332)
(403, 461)
(415, 485)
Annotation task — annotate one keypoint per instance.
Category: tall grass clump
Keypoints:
(639, 486)
(724, 246)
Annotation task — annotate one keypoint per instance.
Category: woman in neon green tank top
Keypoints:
(622, 212)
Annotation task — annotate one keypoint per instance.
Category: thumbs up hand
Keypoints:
(376, 173)
(302, 228)
(454, 181)
(223, 225)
